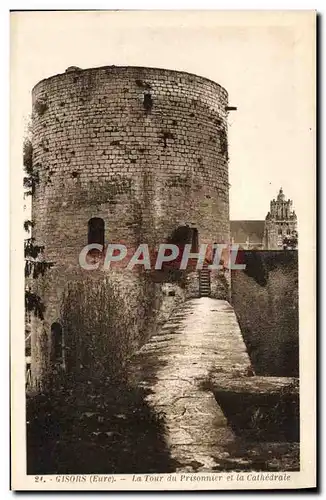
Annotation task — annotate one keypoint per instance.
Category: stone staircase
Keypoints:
(204, 281)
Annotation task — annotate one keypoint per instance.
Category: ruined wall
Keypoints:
(265, 299)
(144, 149)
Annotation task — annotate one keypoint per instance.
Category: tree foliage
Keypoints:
(33, 269)
(28, 224)
(35, 265)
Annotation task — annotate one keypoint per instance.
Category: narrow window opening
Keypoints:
(96, 231)
(194, 240)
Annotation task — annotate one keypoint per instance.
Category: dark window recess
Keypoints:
(96, 231)
(56, 336)
(184, 235)
(280, 231)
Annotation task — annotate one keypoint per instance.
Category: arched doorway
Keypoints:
(182, 236)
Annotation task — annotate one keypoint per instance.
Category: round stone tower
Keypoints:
(131, 153)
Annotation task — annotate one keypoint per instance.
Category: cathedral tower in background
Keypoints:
(280, 223)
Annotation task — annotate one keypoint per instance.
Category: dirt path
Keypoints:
(203, 335)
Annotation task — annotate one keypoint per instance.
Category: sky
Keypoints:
(264, 60)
